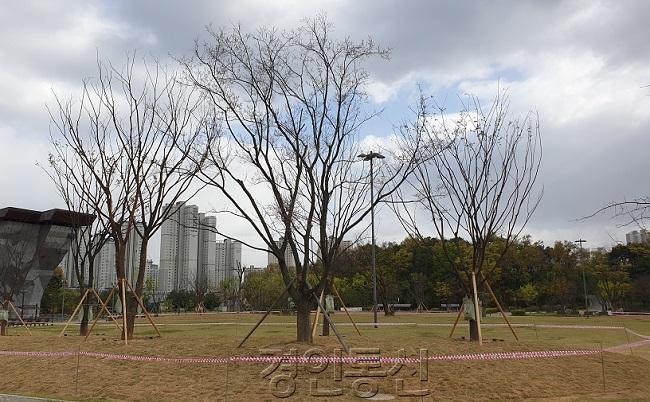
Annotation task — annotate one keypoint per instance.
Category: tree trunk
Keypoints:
(3, 328)
(138, 287)
(83, 327)
(326, 327)
(120, 255)
(131, 314)
(473, 330)
(326, 324)
(303, 318)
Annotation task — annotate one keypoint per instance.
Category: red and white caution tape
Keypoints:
(307, 360)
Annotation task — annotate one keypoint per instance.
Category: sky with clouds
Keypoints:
(584, 66)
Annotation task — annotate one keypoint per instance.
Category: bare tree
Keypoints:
(477, 180)
(134, 131)
(292, 106)
(200, 289)
(80, 193)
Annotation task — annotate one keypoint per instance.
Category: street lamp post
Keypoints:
(369, 157)
(584, 280)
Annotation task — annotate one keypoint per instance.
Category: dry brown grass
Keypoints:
(569, 378)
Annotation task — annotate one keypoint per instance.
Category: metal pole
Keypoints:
(374, 260)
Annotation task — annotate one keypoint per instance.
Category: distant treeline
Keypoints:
(528, 275)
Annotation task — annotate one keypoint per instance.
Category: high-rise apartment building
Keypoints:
(207, 251)
(105, 266)
(105, 275)
(343, 247)
(288, 255)
(228, 256)
(151, 274)
(187, 250)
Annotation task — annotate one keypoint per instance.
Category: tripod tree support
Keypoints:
(460, 311)
(477, 309)
(74, 313)
(268, 311)
(336, 331)
(104, 308)
(8, 302)
(336, 292)
(146, 313)
(499, 306)
(99, 315)
(125, 333)
(313, 327)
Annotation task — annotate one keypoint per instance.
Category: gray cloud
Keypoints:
(581, 64)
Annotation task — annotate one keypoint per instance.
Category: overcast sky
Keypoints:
(582, 65)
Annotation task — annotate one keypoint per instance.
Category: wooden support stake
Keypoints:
(453, 328)
(19, 317)
(345, 308)
(315, 325)
(268, 311)
(627, 335)
(146, 313)
(503, 314)
(99, 315)
(103, 308)
(602, 363)
(477, 309)
(125, 331)
(336, 331)
(83, 298)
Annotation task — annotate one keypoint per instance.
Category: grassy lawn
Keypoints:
(212, 335)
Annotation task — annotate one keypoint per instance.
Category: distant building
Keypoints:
(151, 274)
(187, 250)
(67, 264)
(343, 247)
(288, 255)
(207, 252)
(179, 247)
(637, 237)
(228, 256)
(105, 275)
(105, 266)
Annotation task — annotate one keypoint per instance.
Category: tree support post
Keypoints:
(146, 313)
(336, 331)
(18, 315)
(313, 327)
(125, 331)
(453, 328)
(503, 314)
(336, 292)
(477, 309)
(268, 311)
(99, 314)
(104, 308)
(74, 313)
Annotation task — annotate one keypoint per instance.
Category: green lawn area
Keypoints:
(215, 335)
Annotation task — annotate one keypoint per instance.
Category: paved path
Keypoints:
(18, 398)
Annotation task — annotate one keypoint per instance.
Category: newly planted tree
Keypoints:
(292, 104)
(132, 135)
(476, 181)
